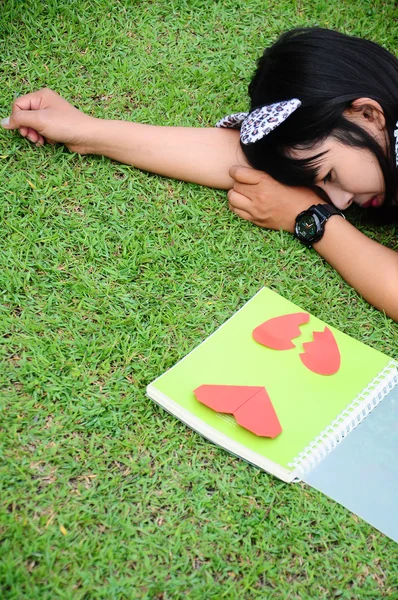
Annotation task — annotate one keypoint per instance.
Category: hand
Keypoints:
(260, 199)
(44, 116)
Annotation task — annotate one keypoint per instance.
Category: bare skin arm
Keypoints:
(205, 156)
(198, 155)
(369, 267)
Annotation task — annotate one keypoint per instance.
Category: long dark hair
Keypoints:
(326, 70)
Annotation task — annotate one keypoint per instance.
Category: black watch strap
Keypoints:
(326, 210)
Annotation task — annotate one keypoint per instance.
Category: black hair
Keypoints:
(326, 70)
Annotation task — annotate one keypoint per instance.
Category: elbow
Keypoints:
(389, 302)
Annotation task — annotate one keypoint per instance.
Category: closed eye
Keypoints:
(328, 177)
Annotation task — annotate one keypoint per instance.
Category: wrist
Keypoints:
(302, 200)
(93, 136)
(310, 224)
(112, 138)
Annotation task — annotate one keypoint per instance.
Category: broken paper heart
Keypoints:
(321, 356)
(250, 405)
(277, 333)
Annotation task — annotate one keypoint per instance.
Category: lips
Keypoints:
(374, 202)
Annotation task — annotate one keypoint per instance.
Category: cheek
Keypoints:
(362, 176)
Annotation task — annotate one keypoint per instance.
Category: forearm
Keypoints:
(197, 155)
(369, 267)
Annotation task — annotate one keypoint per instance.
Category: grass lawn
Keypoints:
(108, 277)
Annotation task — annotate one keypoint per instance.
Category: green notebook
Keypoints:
(315, 411)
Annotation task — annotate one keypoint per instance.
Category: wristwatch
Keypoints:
(310, 224)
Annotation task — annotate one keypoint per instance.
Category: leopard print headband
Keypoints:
(261, 121)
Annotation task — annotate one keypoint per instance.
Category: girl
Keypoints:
(322, 117)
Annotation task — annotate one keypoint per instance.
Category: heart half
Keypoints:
(322, 356)
(277, 333)
(250, 405)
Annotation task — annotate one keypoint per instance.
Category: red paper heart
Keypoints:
(225, 398)
(250, 405)
(277, 333)
(322, 356)
(259, 416)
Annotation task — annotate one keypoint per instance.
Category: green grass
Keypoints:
(108, 276)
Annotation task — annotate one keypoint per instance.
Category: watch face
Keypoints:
(307, 227)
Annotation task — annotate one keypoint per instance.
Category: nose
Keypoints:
(341, 199)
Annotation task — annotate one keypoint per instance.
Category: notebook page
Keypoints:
(362, 472)
(305, 402)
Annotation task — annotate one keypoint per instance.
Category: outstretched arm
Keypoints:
(369, 267)
(198, 155)
(205, 156)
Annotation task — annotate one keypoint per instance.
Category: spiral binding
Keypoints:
(350, 418)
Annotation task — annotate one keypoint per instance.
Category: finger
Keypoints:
(28, 105)
(245, 189)
(246, 174)
(239, 201)
(26, 132)
(19, 119)
(25, 104)
(241, 213)
(32, 101)
(33, 135)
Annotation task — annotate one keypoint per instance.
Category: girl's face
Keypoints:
(353, 175)
(348, 175)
